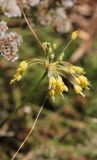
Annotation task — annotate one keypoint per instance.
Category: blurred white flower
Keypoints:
(11, 8)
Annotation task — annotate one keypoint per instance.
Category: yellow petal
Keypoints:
(74, 35)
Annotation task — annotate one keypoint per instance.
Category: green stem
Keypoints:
(64, 49)
(25, 100)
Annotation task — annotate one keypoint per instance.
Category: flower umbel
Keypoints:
(56, 70)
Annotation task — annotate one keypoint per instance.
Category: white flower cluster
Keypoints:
(12, 9)
(48, 12)
(9, 43)
(60, 14)
(55, 14)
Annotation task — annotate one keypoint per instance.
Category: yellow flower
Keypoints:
(57, 86)
(77, 80)
(76, 69)
(17, 77)
(20, 71)
(84, 83)
(60, 86)
(65, 88)
(78, 90)
(74, 35)
(52, 82)
(23, 66)
(56, 69)
(52, 93)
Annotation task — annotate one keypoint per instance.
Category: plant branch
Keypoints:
(33, 126)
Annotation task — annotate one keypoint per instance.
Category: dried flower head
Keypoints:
(57, 69)
(9, 43)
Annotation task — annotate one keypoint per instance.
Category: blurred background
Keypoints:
(66, 129)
